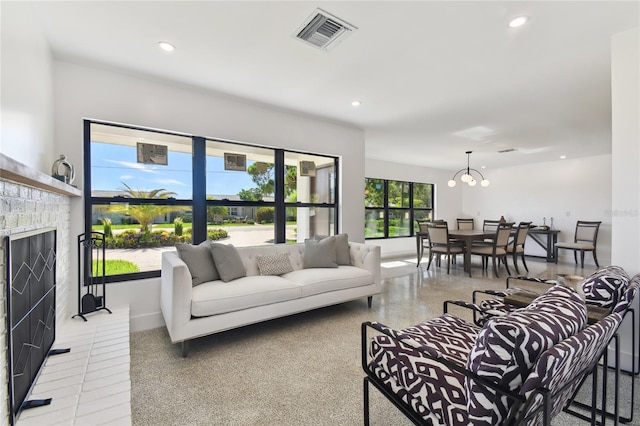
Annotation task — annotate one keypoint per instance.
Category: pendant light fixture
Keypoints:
(467, 177)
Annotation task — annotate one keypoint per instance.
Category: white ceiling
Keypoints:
(435, 78)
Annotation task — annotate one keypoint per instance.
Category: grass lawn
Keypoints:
(115, 267)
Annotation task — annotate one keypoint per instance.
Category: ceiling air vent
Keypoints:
(324, 30)
(506, 150)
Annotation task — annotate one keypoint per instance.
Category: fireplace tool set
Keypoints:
(91, 274)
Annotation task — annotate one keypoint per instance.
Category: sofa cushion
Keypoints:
(322, 280)
(508, 346)
(198, 260)
(217, 297)
(320, 254)
(605, 286)
(228, 262)
(275, 264)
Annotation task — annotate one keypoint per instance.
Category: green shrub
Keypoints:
(178, 226)
(217, 234)
(106, 223)
(130, 239)
(265, 215)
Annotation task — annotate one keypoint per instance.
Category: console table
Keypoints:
(547, 239)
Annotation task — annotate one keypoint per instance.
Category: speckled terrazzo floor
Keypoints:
(302, 369)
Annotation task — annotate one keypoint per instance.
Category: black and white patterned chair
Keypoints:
(519, 368)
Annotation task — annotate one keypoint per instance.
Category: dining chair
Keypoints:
(423, 230)
(585, 239)
(439, 243)
(497, 250)
(488, 225)
(466, 223)
(516, 246)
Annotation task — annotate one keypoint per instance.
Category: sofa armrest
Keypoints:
(366, 256)
(175, 294)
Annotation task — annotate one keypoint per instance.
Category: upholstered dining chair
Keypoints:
(466, 223)
(422, 229)
(497, 250)
(585, 239)
(440, 244)
(516, 246)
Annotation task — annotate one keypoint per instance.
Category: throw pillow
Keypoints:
(320, 254)
(605, 286)
(508, 346)
(198, 260)
(276, 264)
(343, 257)
(228, 262)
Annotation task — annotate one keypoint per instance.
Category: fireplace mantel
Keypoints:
(11, 169)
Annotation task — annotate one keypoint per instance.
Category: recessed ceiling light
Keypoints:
(166, 46)
(562, 157)
(518, 22)
(356, 103)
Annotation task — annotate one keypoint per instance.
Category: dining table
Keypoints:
(468, 236)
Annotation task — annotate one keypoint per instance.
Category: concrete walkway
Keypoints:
(148, 259)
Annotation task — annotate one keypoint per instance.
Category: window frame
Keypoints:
(387, 209)
(198, 202)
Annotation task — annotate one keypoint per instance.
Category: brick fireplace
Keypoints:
(32, 200)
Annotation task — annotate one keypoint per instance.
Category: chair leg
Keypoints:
(595, 258)
(430, 259)
(581, 259)
(365, 395)
(506, 266)
(495, 267)
(575, 256)
(448, 263)
(515, 262)
(524, 263)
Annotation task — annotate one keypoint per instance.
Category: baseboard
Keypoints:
(146, 321)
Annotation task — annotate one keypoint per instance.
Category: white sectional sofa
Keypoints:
(192, 311)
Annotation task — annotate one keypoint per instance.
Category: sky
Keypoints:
(113, 165)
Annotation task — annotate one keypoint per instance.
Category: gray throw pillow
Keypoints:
(343, 257)
(342, 249)
(276, 264)
(198, 260)
(320, 254)
(228, 262)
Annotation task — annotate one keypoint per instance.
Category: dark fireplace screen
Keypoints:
(31, 301)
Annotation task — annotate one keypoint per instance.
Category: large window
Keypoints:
(151, 189)
(391, 207)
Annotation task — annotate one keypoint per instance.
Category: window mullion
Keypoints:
(199, 157)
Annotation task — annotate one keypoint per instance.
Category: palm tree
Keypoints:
(146, 213)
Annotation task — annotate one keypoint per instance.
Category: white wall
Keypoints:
(88, 92)
(580, 187)
(26, 134)
(625, 217)
(567, 190)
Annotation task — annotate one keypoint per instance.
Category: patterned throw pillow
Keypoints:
(605, 286)
(276, 264)
(507, 348)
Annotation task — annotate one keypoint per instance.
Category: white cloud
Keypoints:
(169, 182)
(136, 166)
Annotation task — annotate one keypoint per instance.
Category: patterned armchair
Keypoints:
(519, 368)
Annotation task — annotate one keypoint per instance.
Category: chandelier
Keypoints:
(467, 177)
